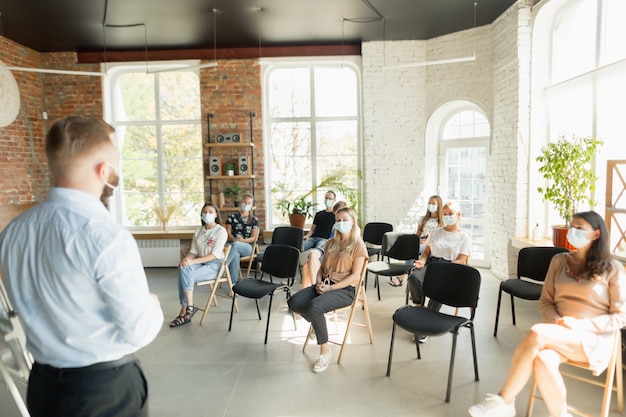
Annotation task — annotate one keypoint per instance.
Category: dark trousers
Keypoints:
(117, 392)
(312, 306)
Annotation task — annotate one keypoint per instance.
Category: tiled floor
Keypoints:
(207, 371)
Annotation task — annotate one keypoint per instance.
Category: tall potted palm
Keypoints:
(566, 166)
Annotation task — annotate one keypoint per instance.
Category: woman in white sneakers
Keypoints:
(583, 302)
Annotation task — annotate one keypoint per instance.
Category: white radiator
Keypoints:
(159, 252)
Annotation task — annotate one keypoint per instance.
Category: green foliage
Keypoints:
(230, 167)
(336, 181)
(235, 192)
(566, 165)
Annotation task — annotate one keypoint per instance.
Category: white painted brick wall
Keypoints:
(398, 103)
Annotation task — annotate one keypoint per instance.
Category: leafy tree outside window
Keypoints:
(158, 130)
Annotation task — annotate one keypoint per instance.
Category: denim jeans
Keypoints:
(189, 275)
(314, 242)
(237, 250)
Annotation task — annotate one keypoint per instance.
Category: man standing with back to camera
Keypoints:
(76, 280)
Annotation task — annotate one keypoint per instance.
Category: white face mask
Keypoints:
(328, 203)
(432, 208)
(449, 220)
(343, 227)
(208, 218)
(577, 237)
(246, 207)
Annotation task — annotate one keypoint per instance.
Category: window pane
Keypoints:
(570, 111)
(179, 96)
(289, 92)
(136, 90)
(337, 138)
(574, 41)
(335, 92)
(182, 162)
(614, 47)
(466, 124)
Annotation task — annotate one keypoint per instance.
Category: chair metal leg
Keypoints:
(393, 337)
(269, 311)
(417, 346)
(473, 337)
(232, 308)
(495, 327)
(377, 285)
(513, 309)
(451, 371)
(258, 312)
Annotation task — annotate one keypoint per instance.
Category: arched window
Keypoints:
(579, 87)
(463, 150)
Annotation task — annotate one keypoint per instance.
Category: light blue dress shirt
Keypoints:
(76, 280)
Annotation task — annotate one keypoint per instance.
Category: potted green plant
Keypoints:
(235, 193)
(299, 208)
(566, 166)
(230, 169)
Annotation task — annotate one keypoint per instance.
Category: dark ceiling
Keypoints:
(79, 25)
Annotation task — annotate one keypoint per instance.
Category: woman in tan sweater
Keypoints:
(582, 303)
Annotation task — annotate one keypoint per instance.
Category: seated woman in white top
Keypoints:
(203, 261)
(448, 244)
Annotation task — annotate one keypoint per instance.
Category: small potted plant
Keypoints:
(297, 211)
(235, 193)
(230, 169)
(566, 166)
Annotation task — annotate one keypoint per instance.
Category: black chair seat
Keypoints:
(255, 288)
(388, 270)
(373, 251)
(427, 322)
(522, 289)
(532, 263)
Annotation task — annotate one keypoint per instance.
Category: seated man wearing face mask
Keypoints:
(319, 233)
(447, 244)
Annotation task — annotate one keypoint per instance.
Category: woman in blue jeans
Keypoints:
(243, 231)
(203, 261)
(344, 256)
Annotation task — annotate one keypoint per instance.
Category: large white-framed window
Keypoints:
(158, 129)
(579, 87)
(463, 151)
(312, 127)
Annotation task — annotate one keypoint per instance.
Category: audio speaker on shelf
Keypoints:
(244, 168)
(215, 165)
(228, 138)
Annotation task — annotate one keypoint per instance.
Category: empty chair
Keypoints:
(532, 263)
(450, 284)
(395, 246)
(359, 298)
(613, 372)
(281, 262)
(373, 237)
(283, 235)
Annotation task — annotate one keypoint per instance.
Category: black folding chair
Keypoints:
(281, 262)
(532, 263)
(450, 284)
(400, 247)
(373, 235)
(283, 235)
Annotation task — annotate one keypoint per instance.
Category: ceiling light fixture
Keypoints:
(469, 58)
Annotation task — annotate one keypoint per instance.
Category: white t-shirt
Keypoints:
(431, 225)
(448, 245)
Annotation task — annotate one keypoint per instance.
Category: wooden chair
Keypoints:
(251, 259)
(359, 296)
(613, 372)
(223, 275)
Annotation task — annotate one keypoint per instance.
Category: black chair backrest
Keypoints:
(288, 235)
(374, 232)
(281, 261)
(401, 246)
(452, 284)
(533, 262)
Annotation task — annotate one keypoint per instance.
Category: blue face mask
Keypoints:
(328, 203)
(432, 208)
(577, 237)
(343, 227)
(449, 220)
(246, 207)
(208, 218)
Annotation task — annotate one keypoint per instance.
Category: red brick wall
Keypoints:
(230, 92)
(23, 166)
